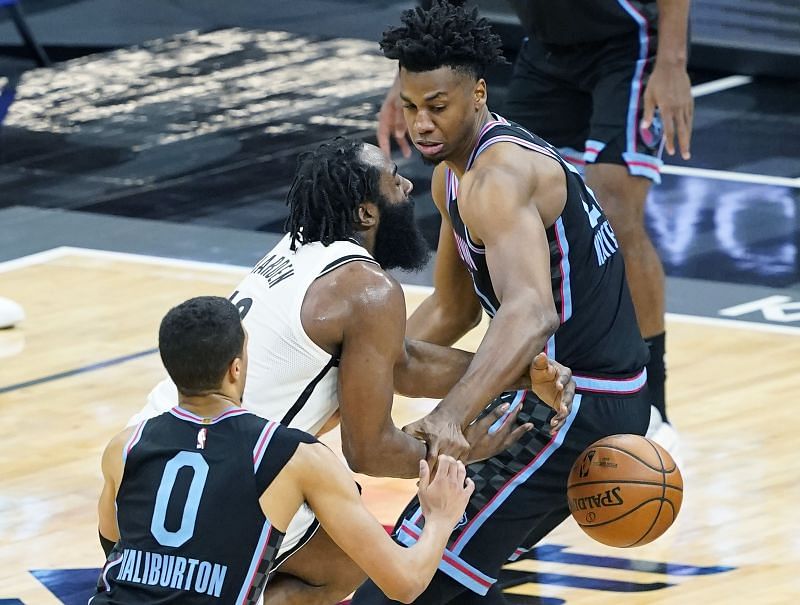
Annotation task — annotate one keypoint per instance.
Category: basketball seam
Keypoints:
(663, 494)
(644, 462)
(626, 481)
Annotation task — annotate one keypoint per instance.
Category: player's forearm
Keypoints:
(430, 370)
(391, 454)
(411, 569)
(441, 324)
(673, 25)
(516, 334)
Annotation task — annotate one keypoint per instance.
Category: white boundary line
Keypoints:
(55, 253)
(681, 318)
(725, 175)
(60, 252)
(709, 88)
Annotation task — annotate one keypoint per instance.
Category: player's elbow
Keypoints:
(406, 588)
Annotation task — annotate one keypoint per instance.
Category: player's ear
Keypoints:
(367, 215)
(479, 94)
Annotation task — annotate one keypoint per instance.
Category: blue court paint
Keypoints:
(11, 602)
(509, 579)
(6, 98)
(82, 370)
(554, 553)
(70, 586)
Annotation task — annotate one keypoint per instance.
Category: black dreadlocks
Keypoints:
(445, 35)
(329, 184)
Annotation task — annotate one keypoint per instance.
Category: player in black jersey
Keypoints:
(605, 82)
(196, 501)
(522, 238)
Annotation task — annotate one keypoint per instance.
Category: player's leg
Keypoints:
(312, 569)
(622, 162)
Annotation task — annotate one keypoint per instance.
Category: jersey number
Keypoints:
(199, 467)
(242, 305)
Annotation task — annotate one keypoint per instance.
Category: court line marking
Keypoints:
(726, 175)
(114, 361)
(242, 270)
(726, 83)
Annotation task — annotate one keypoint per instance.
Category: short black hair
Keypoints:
(444, 35)
(198, 340)
(329, 184)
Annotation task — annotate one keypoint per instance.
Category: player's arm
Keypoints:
(669, 88)
(452, 309)
(111, 466)
(499, 206)
(401, 573)
(372, 340)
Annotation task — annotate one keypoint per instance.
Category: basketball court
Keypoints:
(125, 190)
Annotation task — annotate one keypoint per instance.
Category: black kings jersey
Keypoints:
(598, 337)
(191, 527)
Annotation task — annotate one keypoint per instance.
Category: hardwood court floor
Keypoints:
(732, 393)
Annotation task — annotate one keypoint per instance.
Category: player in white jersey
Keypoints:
(327, 326)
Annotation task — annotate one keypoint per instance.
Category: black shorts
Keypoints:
(520, 495)
(586, 100)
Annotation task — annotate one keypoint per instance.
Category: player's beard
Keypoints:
(399, 243)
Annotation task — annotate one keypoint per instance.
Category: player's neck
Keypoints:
(458, 161)
(210, 405)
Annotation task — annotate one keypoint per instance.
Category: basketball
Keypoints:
(625, 490)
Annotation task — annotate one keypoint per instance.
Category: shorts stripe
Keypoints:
(451, 564)
(521, 477)
(636, 82)
(624, 386)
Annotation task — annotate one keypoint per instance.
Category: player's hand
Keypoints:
(442, 434)
(445, 497)
(486, 442)
(553, 384)
(392, 123)
(670, 91)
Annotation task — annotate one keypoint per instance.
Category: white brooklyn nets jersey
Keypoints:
(289, 378)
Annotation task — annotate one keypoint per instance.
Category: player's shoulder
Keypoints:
(361, 282)
(114, 448)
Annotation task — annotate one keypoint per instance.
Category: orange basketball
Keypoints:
(625, 490)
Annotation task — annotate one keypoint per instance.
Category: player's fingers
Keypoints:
(469, 487)
(516, 435)
(540, 362)
(685, 135)
(402, 143)
(649, 109)
(446, 464)
(383, 136)
(461, 473)
(424, 475)
(668, 119)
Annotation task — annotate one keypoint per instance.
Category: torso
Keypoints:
(191, 526)
(598, 335)
(290, 377)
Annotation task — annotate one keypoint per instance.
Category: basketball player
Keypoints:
(198, 499)
(327, 326)
(523, 238)
(589, 79)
